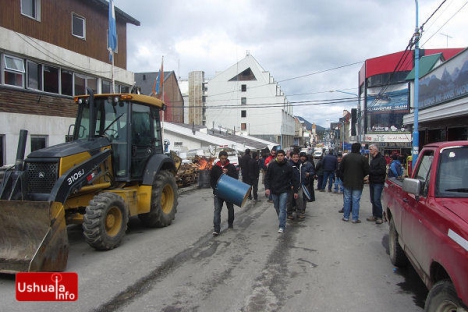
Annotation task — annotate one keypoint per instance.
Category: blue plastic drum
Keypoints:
(232, 190)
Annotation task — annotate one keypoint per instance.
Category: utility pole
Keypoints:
(415, 149)
(447, 36)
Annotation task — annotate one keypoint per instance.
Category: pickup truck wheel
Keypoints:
(443, 298)
(105, 221)
(397, 255)
(163, 201)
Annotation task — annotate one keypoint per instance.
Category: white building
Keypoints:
(245, 98)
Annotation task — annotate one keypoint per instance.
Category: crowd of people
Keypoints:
(289, 176)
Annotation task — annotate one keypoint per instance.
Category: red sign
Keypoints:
(50, 286)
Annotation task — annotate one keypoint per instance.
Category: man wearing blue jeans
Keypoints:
(377, 174)
(279, 180)
(354, 168)
(330, 165)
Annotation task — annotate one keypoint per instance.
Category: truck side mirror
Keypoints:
(412, 186)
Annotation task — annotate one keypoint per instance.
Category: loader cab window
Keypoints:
(116, 129)
(145, 136)
(111, 122)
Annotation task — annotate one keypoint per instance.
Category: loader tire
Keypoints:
(105, 221)
(163, 201)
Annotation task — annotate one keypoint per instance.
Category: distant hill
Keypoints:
(308, 124)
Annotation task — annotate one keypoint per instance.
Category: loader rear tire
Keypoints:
(105, 221)
(163, 201)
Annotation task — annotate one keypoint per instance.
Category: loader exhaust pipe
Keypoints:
(92, 115)
(13, 185)
(23, 136)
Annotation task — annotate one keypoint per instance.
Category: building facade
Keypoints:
(443, 102)
(51, 51)
(168, 92)
(245, 98)
(384, 100)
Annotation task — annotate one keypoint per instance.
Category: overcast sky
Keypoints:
(311, 47)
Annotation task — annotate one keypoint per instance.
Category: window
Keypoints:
(51, 79)
(66, 82)
(31, 8)
(243, 113)
(106, 86)
(38, 142)
(123, 89)
(78, 26)
(91, 83)
(243, 88)
(243, 101)
(13, 71)
(243, 126)
(34, 76)
(80, 84)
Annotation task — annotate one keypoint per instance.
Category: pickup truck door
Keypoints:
(415, 227)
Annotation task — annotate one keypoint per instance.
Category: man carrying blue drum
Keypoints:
(223, 166)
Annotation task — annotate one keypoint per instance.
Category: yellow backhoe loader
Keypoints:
(113, 168)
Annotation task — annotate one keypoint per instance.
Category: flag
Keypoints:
(112, 35)
(160, 89)
(155, 89)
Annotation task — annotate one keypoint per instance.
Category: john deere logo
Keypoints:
(41, 175)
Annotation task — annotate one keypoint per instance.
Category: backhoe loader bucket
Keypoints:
(33, 236)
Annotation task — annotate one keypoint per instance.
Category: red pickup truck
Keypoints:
(428, 218)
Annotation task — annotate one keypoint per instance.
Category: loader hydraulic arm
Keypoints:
(77, 177)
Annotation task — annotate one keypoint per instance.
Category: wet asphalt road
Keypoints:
(320, 263)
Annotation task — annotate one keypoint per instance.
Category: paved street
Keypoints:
(321, 263)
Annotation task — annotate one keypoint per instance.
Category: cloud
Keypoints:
(315, 40)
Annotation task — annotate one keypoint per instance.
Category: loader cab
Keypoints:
(132, 128)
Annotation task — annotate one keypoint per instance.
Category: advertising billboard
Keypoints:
(385, 108)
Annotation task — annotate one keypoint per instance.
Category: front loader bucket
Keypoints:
(33, 236)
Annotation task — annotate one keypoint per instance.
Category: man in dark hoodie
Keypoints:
(279, 180)
(254, 172)
(222, 167)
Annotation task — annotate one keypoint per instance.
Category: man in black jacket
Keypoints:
(378, 170)
(244, 165)
(279, 180)
(354, 168)
(222, 167)
(254, 172)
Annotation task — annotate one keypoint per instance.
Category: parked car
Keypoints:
(317, 154)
